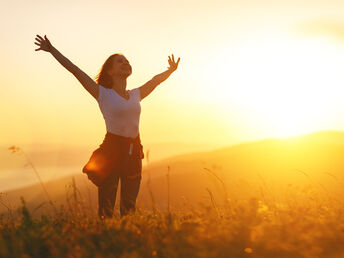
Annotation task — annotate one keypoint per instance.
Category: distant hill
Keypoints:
(273, 167)
(55, 161)
(65, 156)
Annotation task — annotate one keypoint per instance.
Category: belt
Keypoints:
(114, 140)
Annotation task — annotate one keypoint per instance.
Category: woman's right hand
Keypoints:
(43, 43)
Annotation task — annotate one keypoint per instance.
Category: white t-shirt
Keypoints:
(121, 116)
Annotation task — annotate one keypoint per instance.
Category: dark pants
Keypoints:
(117, 159)
(107, 196)
(129, 188)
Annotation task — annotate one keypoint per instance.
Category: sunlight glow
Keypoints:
(288, 85)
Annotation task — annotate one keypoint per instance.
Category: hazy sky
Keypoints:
(248, 69)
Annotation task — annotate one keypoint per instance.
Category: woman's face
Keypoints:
(120, 67)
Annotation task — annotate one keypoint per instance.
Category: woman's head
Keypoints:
(115, 66)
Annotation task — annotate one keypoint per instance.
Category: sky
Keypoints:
(249, 69)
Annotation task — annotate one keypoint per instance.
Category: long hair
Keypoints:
(103, 78)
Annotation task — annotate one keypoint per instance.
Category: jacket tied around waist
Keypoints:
(117, 154)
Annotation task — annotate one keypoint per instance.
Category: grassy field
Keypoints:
(190, 208)
(307, 224)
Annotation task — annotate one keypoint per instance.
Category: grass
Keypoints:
(307, 223)
(247, 228)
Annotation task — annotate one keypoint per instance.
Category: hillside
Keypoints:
(276, 166)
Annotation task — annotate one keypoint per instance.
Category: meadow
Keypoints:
(308, 225)
(226, 212)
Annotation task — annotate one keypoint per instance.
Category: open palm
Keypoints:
(43, 43)
(173, 64)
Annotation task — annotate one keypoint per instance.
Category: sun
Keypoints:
(287, 85)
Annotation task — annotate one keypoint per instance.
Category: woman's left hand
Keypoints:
(173, 64)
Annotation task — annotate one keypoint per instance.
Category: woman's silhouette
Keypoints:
(120, 155)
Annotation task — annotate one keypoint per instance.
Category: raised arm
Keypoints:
(149, 86)
(90, 85)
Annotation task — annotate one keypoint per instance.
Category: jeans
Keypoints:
(107, 195)
(124, 165)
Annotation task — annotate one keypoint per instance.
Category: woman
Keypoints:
(120, 155)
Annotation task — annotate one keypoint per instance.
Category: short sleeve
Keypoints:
(136, 92)
(100, 94)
